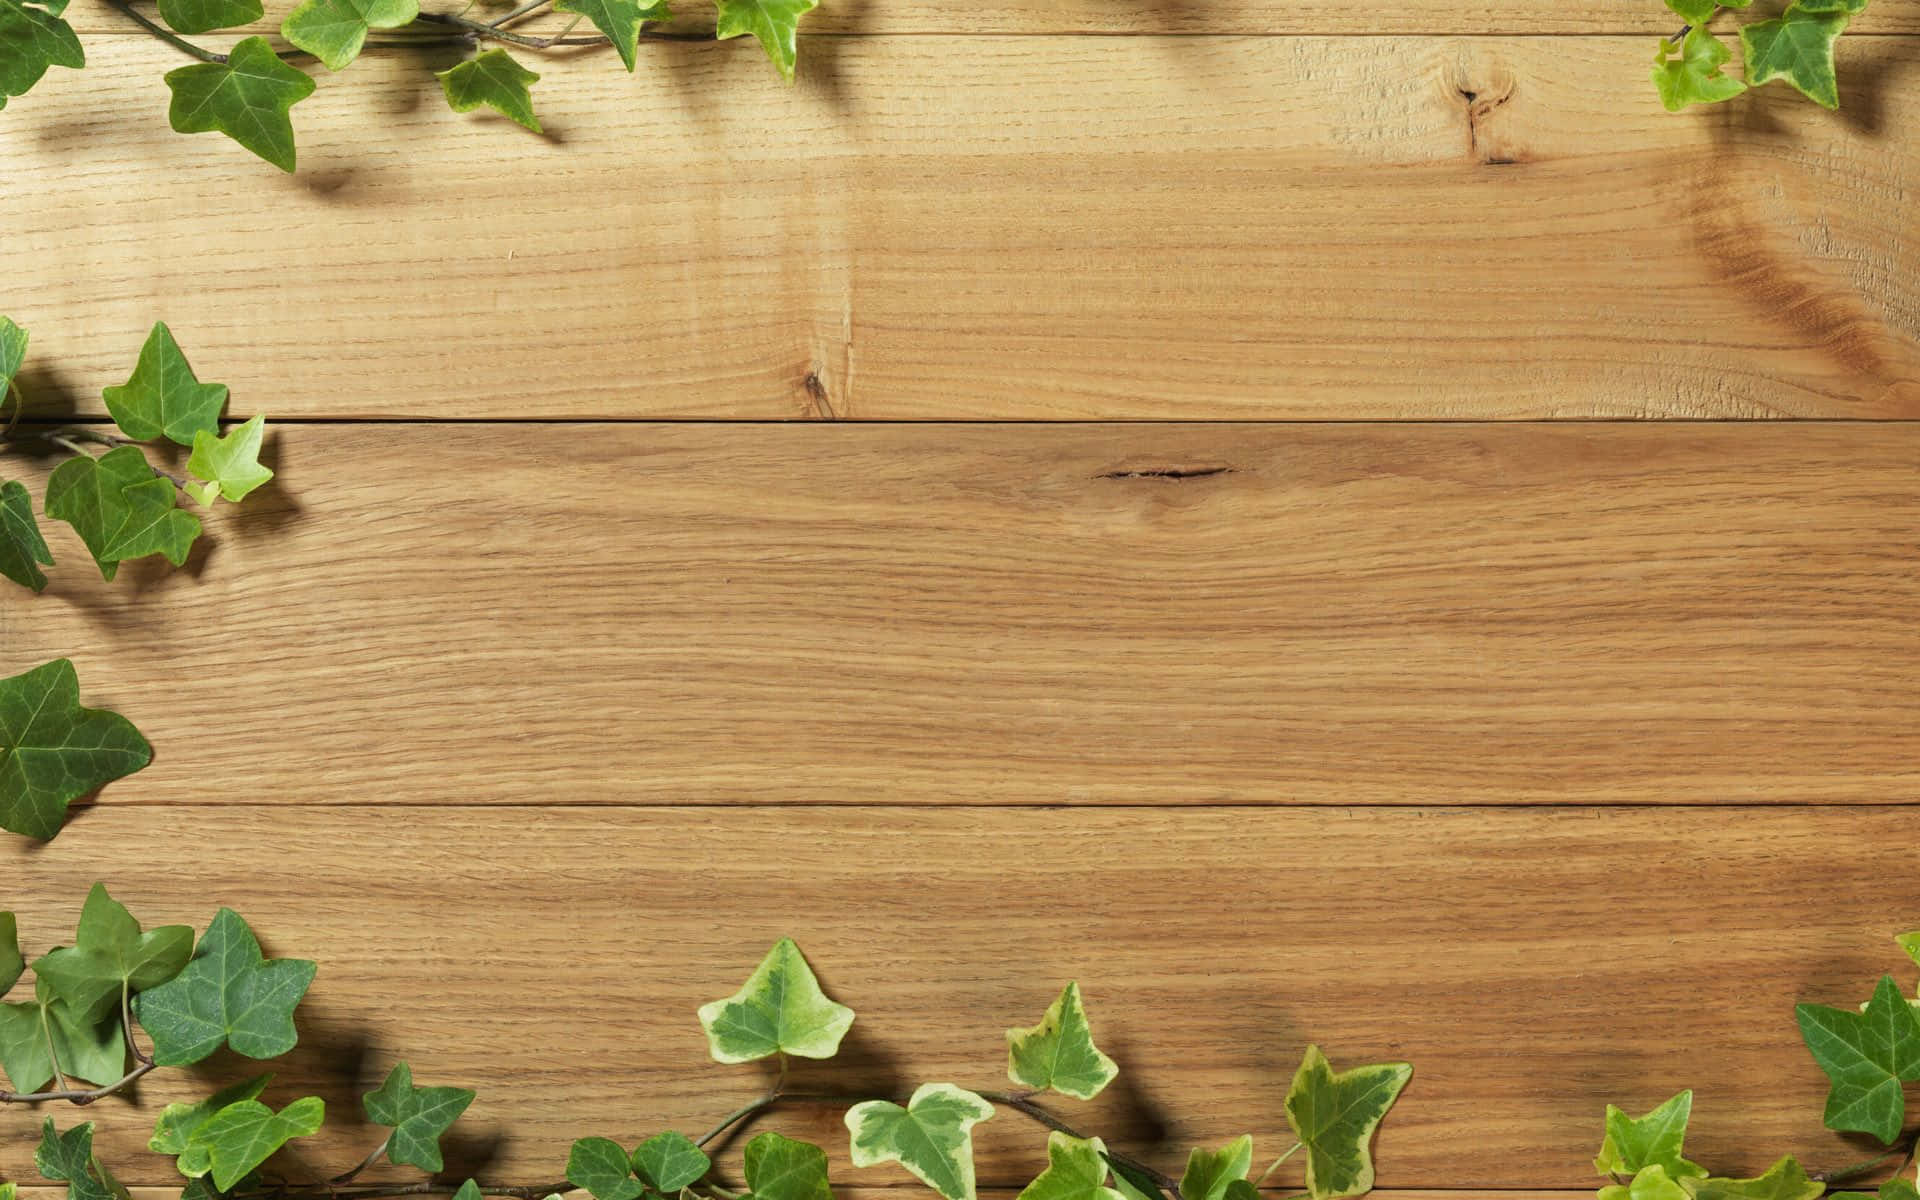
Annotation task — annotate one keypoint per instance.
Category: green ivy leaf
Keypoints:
(163, 395)
(418, 1117)
(618, 19)
(1334, 1116)
(1892, 1189)
(1649, 1183)
(1868, 1056)
(1076, 1170)
(1059, 1053)
(228, 995)
(8, 1191)
(599, 1165)
(334, 31)
(1910, 942)
(229, 465)
(112, 503)
(205, 16)
(52, 751)
(1131, 1183)
(774, 23)
(1210, 1171)
(248, 98)
(468, 1191)
(781, 1168)
(1694, 76)
(1699, 12)
(33, 38)
(670, 1161)
(179, 1123)
(33, 1031)
(780, 1010)
(1797, 46)
(246, 1133)
(110, 955)
(68, 1158)
(12, 963)
(1631, 1144)
(13, 346)
(932, 1137)
(22, 550)
(1784, 1180)
(494, 79)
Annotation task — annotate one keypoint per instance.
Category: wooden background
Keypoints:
(1222, 619)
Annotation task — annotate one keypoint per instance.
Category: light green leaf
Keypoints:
(178, 1123)
(1797, 46)
(110, 954)
(1210, 1171)
(780, 1168)
(1131, 1183)
(670, 1161)
(22, 550)
(228, 995)
(334, 31)
(494, 79)
(1334, 1116)
(52, 751)
(205, 16)
(1699, 12)
(1784, 1180)
(164, 396)
(418, 1117)
(780, 1010)
(1059, 1053)
(13, 352)
(1649, 1183)
(1898, 1188)
(12, 963)
(246, 1133)
(599, 1165)
(1693, 76)
(68, 1158)
(932, 1137)
(468, 1191)
(33, 38)
(247, 98)
(33, 1031)
(8, 1191)
(618, 19)
(230, 465)
(1656, 1138)
(113, 503)
(774, 23)
(1910, 942)
(1076, 1170)
(1868, 1056)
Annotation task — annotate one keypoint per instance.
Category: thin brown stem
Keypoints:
(76, 1095)
(1903, 1149)
(348, 1176)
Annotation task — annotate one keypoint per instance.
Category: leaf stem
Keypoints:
(530, 6)
(76, 1095)
(1022, 1102)
(68, 439)
(348, 1176)
(167, 35)
(482, 31)
(1266, 1174)
(1904, 1149)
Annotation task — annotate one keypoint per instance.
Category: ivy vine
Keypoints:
(1797, 46)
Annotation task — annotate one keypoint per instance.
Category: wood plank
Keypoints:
(1430, 614)
(1524, 960)
(1034, 227)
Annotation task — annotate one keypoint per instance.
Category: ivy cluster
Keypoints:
(1796, 46)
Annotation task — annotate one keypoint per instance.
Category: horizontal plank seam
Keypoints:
(1730, 806)
(28, 424)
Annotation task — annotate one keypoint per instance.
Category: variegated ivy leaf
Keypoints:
(1693, 74)
(111, 958)
(12, 962)
(68, 1158)
(1784, 1180)
(932, 1137)
(1649, 1183)
(1076, 1170)
(1210, 1171)
(33, 1031)
(494, 79)
(1059, 1053)
(1334, 1117)
(229, 466)
(773, 23)
(334, 31)
(1655, 1139)
(670, 1161)
(245, 1134)
(599, 1165)
(418, 1117)
(229, 995)
(1699, 12)
(52, 751)
(780, 1010)
(781, 1168)
(1893, 1189)
(178, 1123)
(1868, 1056)
(1797, 46)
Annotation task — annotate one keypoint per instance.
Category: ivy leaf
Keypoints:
(163, 395)
(205, 16)
(1699, 12)
(670, 1161)
(113, 504)
(33, 1031)
(1059, 1053)
(1131, 1183)
(334, 31)
(110, 954)
(12, 964)
(1868, 1055)
(229, 465)
(1797, 46)
(246, 1133)
(618, 19)
(228, 995)
(1910, 942)
(780, 1168)
(1649, 1183)
(8, 1191)
(1892, 1189)
(494, 79)
(468, 1191)
(1076, 1170)
(68, 1158)
(1210, 1171)
(52, 751)
(599, 1165)
(33, 38)
(417, 1116)
(932, 1137)
(22, 550)
(773, 22)
(178, 1123)
(1784, 1180)
(779, 1010)
(1334, 1116)
(13, 348)
(1695, 76)
(247, 98)
(1631, 1144)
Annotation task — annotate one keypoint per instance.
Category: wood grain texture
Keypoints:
(1534, 965)
(714, 614)
(969, 227)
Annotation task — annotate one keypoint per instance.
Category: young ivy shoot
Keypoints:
(123, 1002)
(1796, 46)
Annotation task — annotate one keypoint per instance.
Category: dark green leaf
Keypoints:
(53, 751)
(110, 954)
(782, 1168)
(1868, 1056)
(33, 38)
(120, 509)
(494, 79)
(163, 396)
(68, 1158)
(599, 1165)
(204, 16)
(22, 550)
(32, 1032)
(417, 1116)
(247, 98)
(228, 995)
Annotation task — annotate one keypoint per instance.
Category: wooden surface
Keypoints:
(1359, 704)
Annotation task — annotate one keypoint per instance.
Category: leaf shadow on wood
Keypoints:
(1870, 74)
(272, 508)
